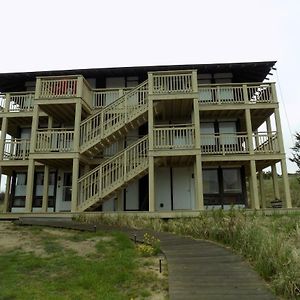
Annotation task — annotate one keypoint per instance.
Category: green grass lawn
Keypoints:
(294, 188)
(61, 264)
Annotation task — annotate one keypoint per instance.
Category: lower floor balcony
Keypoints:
(54, 140)
(16, 149)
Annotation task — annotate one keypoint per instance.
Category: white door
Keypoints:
(182, 188)
(64, 191)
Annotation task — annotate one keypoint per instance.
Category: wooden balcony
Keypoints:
(16, 149)
(17, 102)
(54, 140)
(248, 93)
(223, 144)
(58, 95)
(172, 84)
(175, 137)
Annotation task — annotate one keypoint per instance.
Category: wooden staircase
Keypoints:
(115, 120)
(112, 175)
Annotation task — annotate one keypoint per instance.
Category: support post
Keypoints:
(29, 187)
(253, 186)
(151, 185)
(34, 127)
(249, 130)
(45, 189)
(3, 136)
(75, 176)
(261, 187)
(77, 125)
(286, 185)
(199, 203)
(275, 182)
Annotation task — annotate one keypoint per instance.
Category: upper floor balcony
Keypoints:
(17, 102)
(232, 93)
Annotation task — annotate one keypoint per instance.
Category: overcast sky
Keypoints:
(69, 34)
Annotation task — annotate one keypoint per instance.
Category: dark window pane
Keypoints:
(232, 180)
(210, 182)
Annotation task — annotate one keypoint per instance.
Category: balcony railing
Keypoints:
(236, 93)
(16, 149)
(21, 101)
(174, 137)
(263, 142)
(18, 102)
(54, 140)
(103, 97)
(63, 87)
(2, 102)
(172, 82)
(224, 143)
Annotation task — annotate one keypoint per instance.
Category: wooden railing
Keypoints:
(174, 137)
(172, 82)
(21, 101)
(16, 149)
(114, 116)
(113, 173)
(2, 102)
(236, 93)
(104, 97)
(58, 87)
(265, 142)
(63, 87)
(224, 143)
(52, 140)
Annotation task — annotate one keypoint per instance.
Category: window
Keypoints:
(232, 181)
(210, 182)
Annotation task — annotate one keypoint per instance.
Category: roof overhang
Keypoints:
(242, 72)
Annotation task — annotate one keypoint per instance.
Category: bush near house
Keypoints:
(270, 243)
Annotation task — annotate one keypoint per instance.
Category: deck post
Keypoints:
(199, 203)
(261, 187)
(3, 136)
(75, 176)
(151, 185)
(45, 189)
(34, 127)
(249, 130)
(2, 141)
(286, 185)
(77, 125)
(29, 186)
(275, 182)
(6, 196)
(253, 186)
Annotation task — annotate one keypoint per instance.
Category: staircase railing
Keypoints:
(114, 116)
(113, 173)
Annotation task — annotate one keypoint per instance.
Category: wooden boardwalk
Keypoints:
(197, 269)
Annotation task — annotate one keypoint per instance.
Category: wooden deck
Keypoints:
(198, 269)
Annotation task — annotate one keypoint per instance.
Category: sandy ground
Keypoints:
(14, 237)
